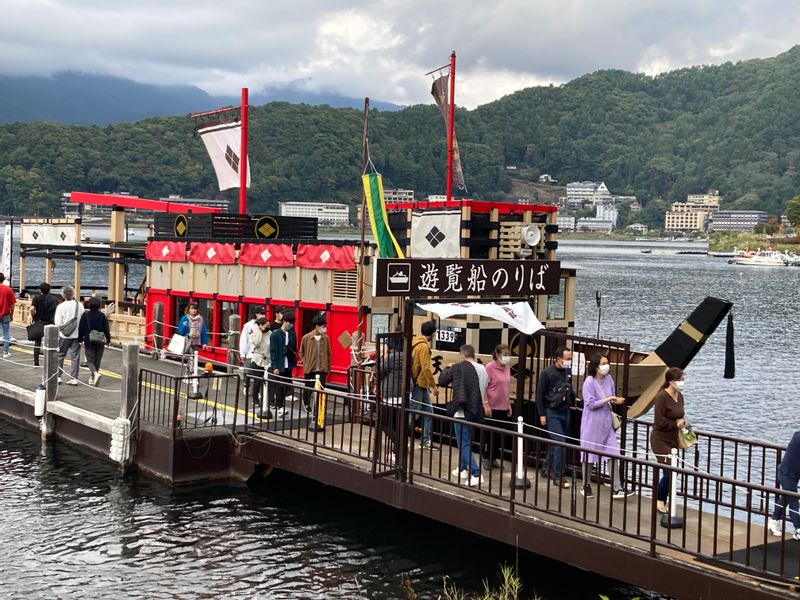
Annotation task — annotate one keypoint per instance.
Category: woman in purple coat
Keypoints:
(597, 430)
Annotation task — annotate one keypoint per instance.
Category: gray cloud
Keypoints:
(382, 48)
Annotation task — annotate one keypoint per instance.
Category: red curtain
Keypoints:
(165, 251)
(212, 253)
(266, 255)
(326, 256)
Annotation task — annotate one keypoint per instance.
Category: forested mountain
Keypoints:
(88, 99)
(732, 127)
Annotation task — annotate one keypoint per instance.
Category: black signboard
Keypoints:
(464, 277)
(450, 338)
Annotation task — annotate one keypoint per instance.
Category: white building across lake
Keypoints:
(329, 213)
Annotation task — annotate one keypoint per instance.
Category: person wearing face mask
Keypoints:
(597, 429)
(554, 397)
(667, 422)
(283, 359)
(496, 403)
(315, 356)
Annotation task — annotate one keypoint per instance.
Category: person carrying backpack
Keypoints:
(554, 398)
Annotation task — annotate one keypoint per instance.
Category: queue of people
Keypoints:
(270, 353)
(79, 326)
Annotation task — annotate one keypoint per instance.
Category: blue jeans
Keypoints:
(789, 484)
(466, 459)
(421, 400)
(662, 493)
(557, 425)
(6, 333)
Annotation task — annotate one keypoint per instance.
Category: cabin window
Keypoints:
(380, 324)
(556, 305)
(226, 310)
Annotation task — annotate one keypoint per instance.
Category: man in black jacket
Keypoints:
(554, 397)
(43, 308)
(469, 381)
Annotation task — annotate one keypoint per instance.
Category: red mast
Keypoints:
(451, 126)
(243, 158)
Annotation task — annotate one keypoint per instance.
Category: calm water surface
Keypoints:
(73, 528)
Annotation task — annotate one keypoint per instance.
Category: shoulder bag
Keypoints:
(68, 328)
(616, 422)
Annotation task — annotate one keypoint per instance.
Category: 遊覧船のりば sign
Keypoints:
(455, 278)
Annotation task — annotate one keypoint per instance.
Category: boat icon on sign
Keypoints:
(398, 279)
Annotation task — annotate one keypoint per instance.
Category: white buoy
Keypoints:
(39, 401)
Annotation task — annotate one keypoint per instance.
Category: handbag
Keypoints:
(616, 422)
(178, 344)
(97, 337)
(68, 328)
(35, 331)
(686, 437)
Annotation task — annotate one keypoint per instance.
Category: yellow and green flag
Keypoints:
(376, 208)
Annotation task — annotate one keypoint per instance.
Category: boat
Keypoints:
(761, 258)
(646, 250)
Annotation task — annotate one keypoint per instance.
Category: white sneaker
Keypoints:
(774, 527)
(473, 481)
(459, 474)
(72, 382)
(796, 534)
(280, 412)
(96, 379)
(7, 355)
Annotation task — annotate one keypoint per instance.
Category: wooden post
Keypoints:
(234, 327)
(130, 379)
(158, 325)
(21, 275)
(50, 343)
(116, 279)
(48, 267)
(77, 278)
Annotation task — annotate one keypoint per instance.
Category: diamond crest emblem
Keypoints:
(165, 251)
(435, 236)
(325, 256)
(211, 253)
(266, 255)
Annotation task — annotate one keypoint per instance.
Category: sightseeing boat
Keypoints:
(761, 258)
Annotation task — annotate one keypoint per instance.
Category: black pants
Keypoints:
(278, 387)
(254, 376)
(94, 356)
(37, 345)
(389, 423)
(493, 442)
(310, 379)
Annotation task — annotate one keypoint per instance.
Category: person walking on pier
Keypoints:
(7, 302)
(498, 375)
(246, 347)
(95, 334)
(597, 429)
(667, 422)
(257, 363)
(43, 310)
(423, 382)
(788, 477)
(283, 359)
(315, 356)
(554, 398)
(67, 318)
(469, 381)
(193, 327)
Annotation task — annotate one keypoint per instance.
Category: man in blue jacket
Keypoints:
(788, 476)
(283, 359)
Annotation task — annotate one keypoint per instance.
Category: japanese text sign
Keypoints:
(453, 278)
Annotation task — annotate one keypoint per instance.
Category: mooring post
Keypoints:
(50, 378)
(121, 450)
(234, 327)
(158, 327)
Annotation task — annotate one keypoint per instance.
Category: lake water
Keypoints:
(73, 528)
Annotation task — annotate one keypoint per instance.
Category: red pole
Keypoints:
(243, 157)
(451, 126)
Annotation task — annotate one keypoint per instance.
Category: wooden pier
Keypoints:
(186, 430)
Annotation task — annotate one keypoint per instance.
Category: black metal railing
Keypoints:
(176, 403)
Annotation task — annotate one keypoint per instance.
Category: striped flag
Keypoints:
(376, 208)
(321, 401)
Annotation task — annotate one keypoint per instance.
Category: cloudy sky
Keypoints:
(383, 48)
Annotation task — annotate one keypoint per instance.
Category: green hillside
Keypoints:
(732, 127)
